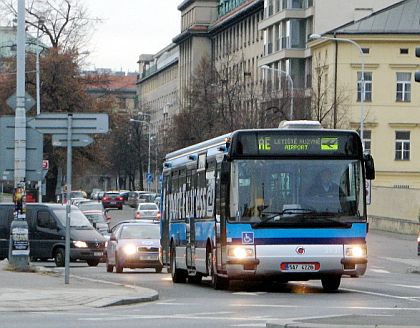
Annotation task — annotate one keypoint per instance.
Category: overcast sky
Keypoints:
(131, 28)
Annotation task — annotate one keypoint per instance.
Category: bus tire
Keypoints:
(330, 283)
(217, 282)
(196, 279)
(178, 275)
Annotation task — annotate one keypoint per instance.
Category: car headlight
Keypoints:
(130, 249)
(80, 244)
(356, 250)
(241, 252)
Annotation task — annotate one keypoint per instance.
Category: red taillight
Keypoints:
(158, 215)
(105, 198)
(119, 198)
(138, 216)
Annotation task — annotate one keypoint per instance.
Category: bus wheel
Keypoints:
(178, 275)
(216, 281)
(331, 283)
(195, 279)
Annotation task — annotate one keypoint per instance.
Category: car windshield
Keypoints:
(95, 217)
(76, 194)
(148, 207)
(91, 206)
(140, 232)
(77, 219)
(112, 194)
(288, 192)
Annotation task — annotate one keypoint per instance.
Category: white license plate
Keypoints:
(113, 203)
(97, 254)
(147, 257)
(300, 267)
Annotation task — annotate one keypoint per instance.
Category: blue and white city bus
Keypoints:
(246, 205)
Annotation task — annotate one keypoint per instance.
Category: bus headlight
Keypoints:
(130, 249)
(80, 244)
(356, 250)
(241, 252)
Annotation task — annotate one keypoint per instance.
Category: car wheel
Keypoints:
(158, 270)
(118, 267)
(59, 257)
(330, 283)
(216, 281)
(92, 262)
(178, 275)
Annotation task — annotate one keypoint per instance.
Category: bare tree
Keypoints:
(323, 101)
(64, 24)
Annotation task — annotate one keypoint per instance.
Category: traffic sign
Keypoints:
(45, 164)
(34, 149)
(77, 140)
(149, 178)
(29, 101)
(82, 123)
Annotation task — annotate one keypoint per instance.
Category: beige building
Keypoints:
(288, 23)
(157, 89)
(390, 110)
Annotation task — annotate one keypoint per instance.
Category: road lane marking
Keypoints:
(406, 286)
(379, 271)
(331, 307)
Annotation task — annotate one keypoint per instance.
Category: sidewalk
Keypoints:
(45, 290)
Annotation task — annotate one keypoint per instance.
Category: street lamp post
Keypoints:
(289, 78)
(362, 63)
(148, 156)
(38, 92)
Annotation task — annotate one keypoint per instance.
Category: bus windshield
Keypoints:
(296, 192)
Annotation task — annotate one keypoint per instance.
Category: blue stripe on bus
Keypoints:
(301, 241)
(357, 230)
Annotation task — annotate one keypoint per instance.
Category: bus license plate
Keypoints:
(97, 254)
(147, 257)
(300, 267)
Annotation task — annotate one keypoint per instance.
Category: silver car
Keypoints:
(134, 245)
(147, 211)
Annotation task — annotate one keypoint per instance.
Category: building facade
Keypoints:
(157, 89)
(388, 107)
(287, 24)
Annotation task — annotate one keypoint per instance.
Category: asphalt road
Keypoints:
(389, 294)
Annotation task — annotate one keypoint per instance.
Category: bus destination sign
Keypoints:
(275, 143)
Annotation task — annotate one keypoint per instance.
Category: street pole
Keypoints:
(362, 64)
(20, 116)
(68, 203)
(148, 159)
(38, 94)
(290, 81)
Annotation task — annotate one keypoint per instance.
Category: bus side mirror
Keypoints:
(369, 166)
(225, 173)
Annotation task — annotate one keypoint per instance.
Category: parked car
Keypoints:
(47, 230)
(132, 198)
(147, 211)
(76, 194)
(124, 194)
(112, 199)
(98, 220)
(91, 205)
(147, 197)
(134, 245)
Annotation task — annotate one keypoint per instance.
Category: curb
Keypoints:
(316, 325)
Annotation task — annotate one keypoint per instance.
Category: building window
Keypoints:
(367, 76)
(365, 50)
(404, 87)
(403, 51)
(402, 145)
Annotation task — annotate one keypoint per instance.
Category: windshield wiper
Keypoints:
(271, 215)
(303, 216)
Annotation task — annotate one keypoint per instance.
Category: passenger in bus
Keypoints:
(324, 185)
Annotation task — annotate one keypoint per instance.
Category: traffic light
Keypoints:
(417, 73)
